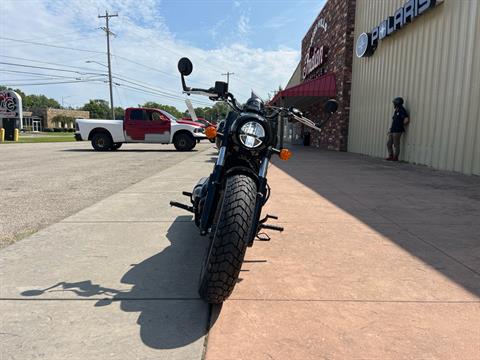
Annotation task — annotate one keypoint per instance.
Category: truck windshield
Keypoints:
(167, 114)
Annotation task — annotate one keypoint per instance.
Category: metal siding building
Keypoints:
(434, 64)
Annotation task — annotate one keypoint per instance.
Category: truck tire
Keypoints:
(101, 141)
(184, 142)
(116, 146)
(228, 246)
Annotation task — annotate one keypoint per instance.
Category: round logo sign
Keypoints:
(363, 45)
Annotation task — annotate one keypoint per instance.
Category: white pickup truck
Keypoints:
(141, 125)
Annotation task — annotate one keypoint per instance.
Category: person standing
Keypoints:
(400, 119)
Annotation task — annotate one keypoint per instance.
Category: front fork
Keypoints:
(212, 192)
(260, 201)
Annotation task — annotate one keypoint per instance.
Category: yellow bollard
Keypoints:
(2, 135)
(15, 135)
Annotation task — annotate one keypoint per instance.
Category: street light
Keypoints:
(110, 83)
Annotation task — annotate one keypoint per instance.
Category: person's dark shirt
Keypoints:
(398, 118)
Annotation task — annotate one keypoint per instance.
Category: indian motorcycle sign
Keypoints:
(367, 42)
(10, 104)
(316, 56)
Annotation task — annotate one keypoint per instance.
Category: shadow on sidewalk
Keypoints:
(431, 214)
(163, 292)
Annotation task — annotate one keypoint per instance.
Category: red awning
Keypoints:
(321, 86)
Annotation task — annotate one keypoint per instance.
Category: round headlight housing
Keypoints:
(251, 134)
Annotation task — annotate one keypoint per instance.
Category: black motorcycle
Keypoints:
(227, 205)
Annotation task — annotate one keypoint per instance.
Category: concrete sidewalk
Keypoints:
(378, 260)
(116, 280)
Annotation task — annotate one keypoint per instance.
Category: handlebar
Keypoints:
(203, 92)
(305, 121)
(223, 95)
(212, 95)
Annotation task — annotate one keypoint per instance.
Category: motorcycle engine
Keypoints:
(198, 198)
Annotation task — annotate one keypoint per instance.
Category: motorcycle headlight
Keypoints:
(251, 134)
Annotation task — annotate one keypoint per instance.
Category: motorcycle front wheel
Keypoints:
(228, 246)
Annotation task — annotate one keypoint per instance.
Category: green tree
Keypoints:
(39, 101)
(221, 110)
(200, 112)
(170, 109)
(119, 113)
(218, 111)
(98, 108)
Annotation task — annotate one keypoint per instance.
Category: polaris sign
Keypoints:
(367, 42)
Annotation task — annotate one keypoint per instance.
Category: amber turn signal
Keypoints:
(211, 132)
(285, 154)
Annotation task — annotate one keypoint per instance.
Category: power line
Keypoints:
(43, 37)
(152, 68)
(139, 83)
(205, 65)
(85, 50)
(30, 79)
(163, 93)
(50, 45)
(163, 97)
(75, 49)
(157, 90)
(143, 83)
(50, 68)
(58, 82)
(45, 62)
(91, 51)
(36, 74)
(53, 42)
(174, 97)
(158, 94)
(121, 57)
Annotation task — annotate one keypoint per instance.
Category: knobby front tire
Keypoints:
(227, 248)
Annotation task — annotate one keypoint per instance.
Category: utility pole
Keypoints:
(108, 32)
(227, 74)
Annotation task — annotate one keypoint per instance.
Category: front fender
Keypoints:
(243, 170)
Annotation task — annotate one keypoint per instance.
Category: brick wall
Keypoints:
(49, 114)
(338, 38)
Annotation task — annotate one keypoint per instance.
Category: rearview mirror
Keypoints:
(185, 66)
(331, 106)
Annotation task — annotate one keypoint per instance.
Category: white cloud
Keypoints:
(143, 37)
(277, 22)
(243, 24)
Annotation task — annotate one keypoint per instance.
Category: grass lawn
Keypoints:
(42, 139)
(55, 133)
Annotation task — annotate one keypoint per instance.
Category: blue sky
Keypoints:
(257, 40)
(262, 24)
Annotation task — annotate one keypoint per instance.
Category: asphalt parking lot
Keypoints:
(41, 184)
